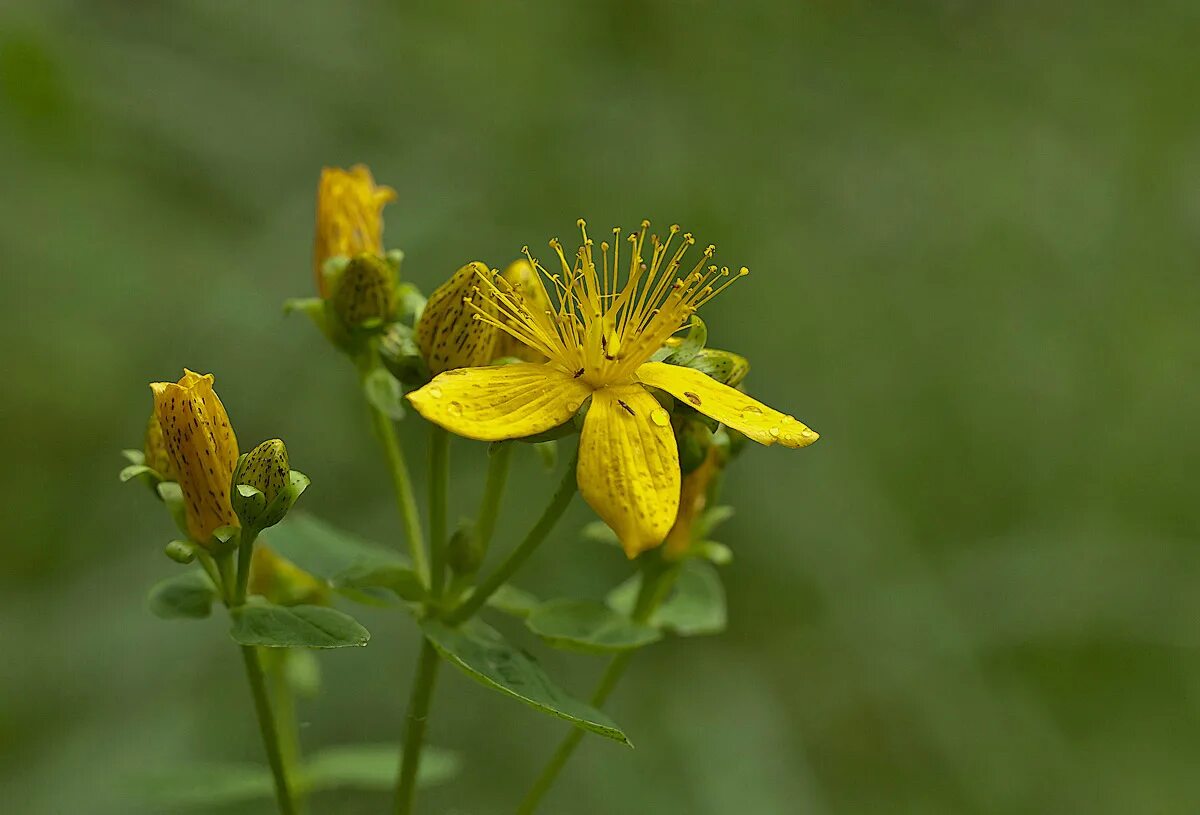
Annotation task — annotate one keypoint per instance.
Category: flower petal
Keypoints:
(730, 407)
(629, 466)
(501, 401)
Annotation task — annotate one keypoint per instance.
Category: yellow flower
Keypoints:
(349, 216)
(599, 338)
(202, 449)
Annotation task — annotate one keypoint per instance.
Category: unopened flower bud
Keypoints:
(180, 551)
(527, 291)
(448, 332)
(283, 582)
(693, 498)
(349, 217)
(202, 450)
(726, 367)
(258, 481)
(465, 551)
(364, 294)
(155, 449)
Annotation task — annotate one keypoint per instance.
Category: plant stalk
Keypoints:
(414, 731)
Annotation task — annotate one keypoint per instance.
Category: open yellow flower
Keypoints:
(202, 448)
(349, 216)
(599, 338)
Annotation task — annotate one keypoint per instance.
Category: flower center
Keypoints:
(603, 326)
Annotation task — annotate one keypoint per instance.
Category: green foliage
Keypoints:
(385, 392)
(513, 601)
(695, 606)
(485, 656)
(189, 595)
(589, 626)
(272, 626)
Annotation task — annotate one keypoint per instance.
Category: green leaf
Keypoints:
(186, 596)
(586, 625)
(374, 767)
(134, 456)
(513, 601)
(203, 785)
(383, 573)
(690, 345)
(488, 658)
(696, 605)
(272, 626)
(134, 470)
(712, 518)
(385, 393)
(713, 552)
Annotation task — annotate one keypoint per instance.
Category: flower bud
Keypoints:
(364, 294)
(202, 450)
(465, 551)
(525, 288)
(283, 582)
(448, 333)
(349, 217)
(726, 367)
(260, 484)
(156, 456)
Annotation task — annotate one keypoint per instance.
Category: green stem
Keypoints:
(554, 510)
(285, 705)
(414, 730)
(403, 487)
(489, 507)
(439, 473)
(655, 587)
(266, 725)
(245, 555)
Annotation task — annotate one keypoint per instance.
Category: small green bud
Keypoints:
(259, 485)
(364, 295)
(465, 552)
(180, 551)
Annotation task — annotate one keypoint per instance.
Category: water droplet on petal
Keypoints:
(750, 411)
(572, 405)
(455, 409)
(660, 417)
(806, 433)
(435, 391)
(774, 431)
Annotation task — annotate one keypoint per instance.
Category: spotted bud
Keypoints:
(349, 217)
(156, 456)
(260, 479)
(283, 582)
(525, 289)
(364, 294)
(202, 450)
(448, 333)
(726, 367)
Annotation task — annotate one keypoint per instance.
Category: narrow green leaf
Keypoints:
(202, 785)
(134, 456)
(513, 601)
(384, 392)
(488, 658)
(324, 550)
(374, 767)
(696, 605)
(586, 625)
(134, 470)
(189, 595)
(274, 626)
(367, 574)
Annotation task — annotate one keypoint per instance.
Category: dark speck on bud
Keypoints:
(365, 292)
(265, 468)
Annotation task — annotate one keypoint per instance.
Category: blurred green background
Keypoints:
(973, 228)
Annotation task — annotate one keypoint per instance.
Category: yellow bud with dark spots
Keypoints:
(283, 582)
(527, 292)
(155, 449)
(364, 294)
(202, 450)
(349, 217)
(448, 332)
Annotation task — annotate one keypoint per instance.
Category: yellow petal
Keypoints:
(730, 407)
(500, 402)
(629, 466)
(202, 449)
(349, 216)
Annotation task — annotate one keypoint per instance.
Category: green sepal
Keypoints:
(180, 551)
(484, 655)
(224, 539)
(186, 596)
(134, 456)
(588, 626)
(172, 496)
(685, 349)
(384, 392)
(515, 602)
(314, 307)
(695, 606)
(271, 626)
(278, 509)
(146, 475)
(713, 552)
(711, 518)
(400, 354)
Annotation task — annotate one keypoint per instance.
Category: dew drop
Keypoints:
(572, 405)
(435, 392)
(806, 433)
(751, 410)
(774, 431)
(660, 417)
(455, 409)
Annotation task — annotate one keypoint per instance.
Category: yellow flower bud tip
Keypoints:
(365, 291)
(349, 216)
(265, 468)
(202, 450)
(448, 334)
